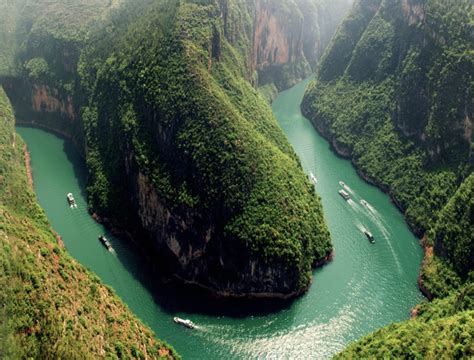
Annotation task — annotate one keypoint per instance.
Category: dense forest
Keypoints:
(202, 138)
(51, 306)
(168, 103)
(394, 93)
(160, 97)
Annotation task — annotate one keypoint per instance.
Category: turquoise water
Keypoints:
(366, 286)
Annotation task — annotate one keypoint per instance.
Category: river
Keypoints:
(365, 287)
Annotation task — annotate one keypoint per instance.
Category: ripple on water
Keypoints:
(365, 287)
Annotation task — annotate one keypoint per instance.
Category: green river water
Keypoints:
(365, 287)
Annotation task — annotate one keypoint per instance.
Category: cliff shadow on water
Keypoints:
(171, 296)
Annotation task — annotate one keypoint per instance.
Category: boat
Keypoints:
(344, 194)
(313, 178)
(369, 236)
(186, 323)
(365, 203)
(71, 201)
(342, 183)
(105, 242)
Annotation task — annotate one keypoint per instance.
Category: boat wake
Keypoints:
(353, 204)
(361, 227)
(373, 210)
(386, 234)
(349, 189)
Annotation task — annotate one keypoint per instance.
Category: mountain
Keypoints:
(393, 93)
(160, 98)
(51, 306)
(289, 38)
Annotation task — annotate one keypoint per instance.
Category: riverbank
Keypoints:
(29, 174)
(54, 306)
(335, 310)
(345, 153)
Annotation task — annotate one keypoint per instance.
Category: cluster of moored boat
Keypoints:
(347, 197)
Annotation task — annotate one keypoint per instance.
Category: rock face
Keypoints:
(289, 37)
(277, 41)
(48, 100)
(414, 11)
(189, 245)
(278, 44)
(180, 139)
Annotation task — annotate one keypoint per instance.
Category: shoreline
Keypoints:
(210, 292)
(345, 154)
(29, 174)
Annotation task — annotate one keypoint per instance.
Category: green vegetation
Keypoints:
(443, 328)
(453, 232)
(51, 306)
(161, 96)
(446, 338)
(394, 92)
(201, 134)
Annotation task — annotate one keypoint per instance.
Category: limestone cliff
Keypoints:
(289, 37)
(173, 131)
(211, 183)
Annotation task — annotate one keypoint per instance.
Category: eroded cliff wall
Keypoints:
(160, 95)
(289, 38)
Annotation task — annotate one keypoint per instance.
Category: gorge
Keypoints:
(165, 102)
(340, 306)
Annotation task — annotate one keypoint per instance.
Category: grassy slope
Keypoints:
(380, 86)
(51, 306)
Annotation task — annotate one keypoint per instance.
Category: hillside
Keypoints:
(51, 306)
(441, 329)
(199, 143)
(159, 98)
(394, 93)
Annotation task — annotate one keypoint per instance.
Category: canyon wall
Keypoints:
(290, 37)
(208, 174)
(159, 97)
(394, 93)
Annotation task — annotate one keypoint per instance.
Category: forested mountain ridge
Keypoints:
(394, 92)
(419, 151)
(196, 153)
(51, 306)
(197, 142)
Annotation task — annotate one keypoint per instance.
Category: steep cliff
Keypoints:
(289, 37)
(213, 184)
(39, 57)
(398, 100)
(159, 97)
(394, 93)
(50, 306)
